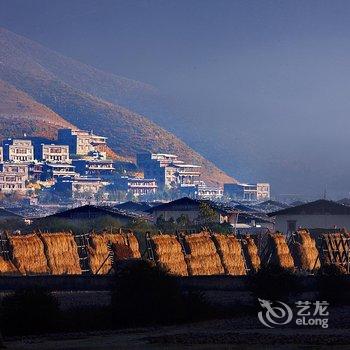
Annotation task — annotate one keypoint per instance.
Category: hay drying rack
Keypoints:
(82, 241)
(5, 246)
(335, 250)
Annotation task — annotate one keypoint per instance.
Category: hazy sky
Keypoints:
(266, 84)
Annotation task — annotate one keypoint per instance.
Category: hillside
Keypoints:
(20, 114)
(68, 88)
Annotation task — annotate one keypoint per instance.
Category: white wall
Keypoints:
(313, 221)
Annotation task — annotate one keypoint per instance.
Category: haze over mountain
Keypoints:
(52, 91)
(261, 88)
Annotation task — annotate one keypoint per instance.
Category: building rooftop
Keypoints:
(186, 166)
(186, 203)
(4, 213)
(58, 165)
(93, 211)
(319, 207)
(133, 206)
(165, 155)
(271, 205)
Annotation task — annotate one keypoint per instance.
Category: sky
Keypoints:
(261, 87)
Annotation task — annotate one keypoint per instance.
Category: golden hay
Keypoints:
(230, 252)
(203, 258)
(28, 254)
(62, 253)
(280, 251)
(99, 251)
(7, 268)
(133, 244)
(121, 251)
(306, 252)
(252, 253)
(169, 254)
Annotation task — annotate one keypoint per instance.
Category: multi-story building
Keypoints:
(168, 170)
(136, 186)
(140, 187)
(13, 177)
(154, 166)
(52, 171)
(18, 150)
(247, 192)
(209, 192)
(262, 191)
(186, 175)
(55, 153)
(102, 168)
(82, 142)
(80, 186)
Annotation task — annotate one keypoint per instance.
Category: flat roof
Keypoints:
(187, 166)
(58, 165)
(165, 155)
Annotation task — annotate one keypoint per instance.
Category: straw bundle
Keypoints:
(121, 251)
(133, 244)
(252, 253)
(99, 251)
(168, 253)
(62, 253)
(280, 251)
(306, 252)
(203, 258)
(28, 254)
(7, 268)
(230, 252)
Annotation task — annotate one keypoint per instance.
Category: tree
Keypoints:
(207, 214)
(183, 220)
(160, 221)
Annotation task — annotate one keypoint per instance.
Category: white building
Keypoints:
(13, 177)
(247, 192)
(168, 170)
(18, 151)
(55, 153)
(318, 214)
(139, 187)
(83, 142)
(79, 186)
(209, 192)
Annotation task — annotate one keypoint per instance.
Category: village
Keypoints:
(173, 175)
(40, 176)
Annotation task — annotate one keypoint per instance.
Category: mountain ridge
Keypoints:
(53, 80)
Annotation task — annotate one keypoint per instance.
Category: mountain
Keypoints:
(87, 98)
(20, 114)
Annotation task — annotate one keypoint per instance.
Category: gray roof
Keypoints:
(319, 207)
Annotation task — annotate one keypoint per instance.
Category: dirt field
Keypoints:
(237, 333)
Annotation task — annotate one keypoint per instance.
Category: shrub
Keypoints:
(146, 294)
(29, 311)
(333, 284)
(273, 283)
